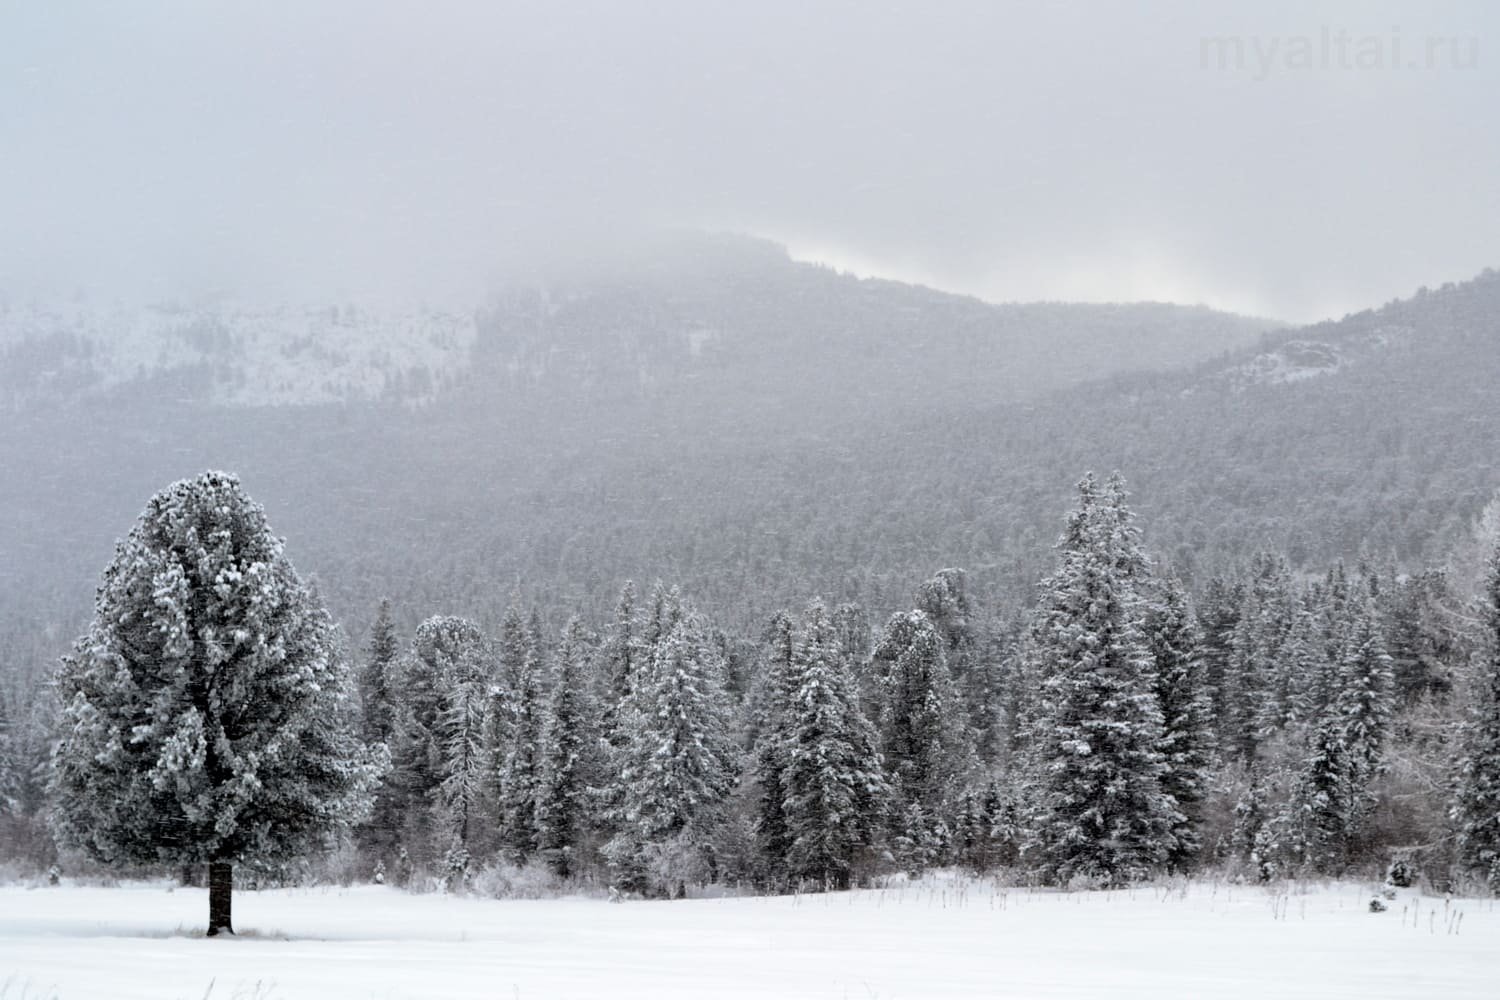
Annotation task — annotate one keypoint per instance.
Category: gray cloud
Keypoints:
(1081, 151)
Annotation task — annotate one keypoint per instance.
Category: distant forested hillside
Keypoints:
(607, 421)
(758, 430)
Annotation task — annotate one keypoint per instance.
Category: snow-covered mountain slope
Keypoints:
(231, 353)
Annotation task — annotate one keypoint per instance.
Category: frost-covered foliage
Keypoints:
(516, 747)
(679, 763)
(1273, 721)
(439, 772)
(572, 756)
(205, 713)
(1476, 810)
(834, 782)
(922, 724)
(1188, 741)
(1102, 810)
(771, 705)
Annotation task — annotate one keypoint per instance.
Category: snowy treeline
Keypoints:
(1273, 724)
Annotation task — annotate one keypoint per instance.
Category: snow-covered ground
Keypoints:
(935, 939)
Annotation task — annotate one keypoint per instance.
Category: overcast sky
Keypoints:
(1091, 151)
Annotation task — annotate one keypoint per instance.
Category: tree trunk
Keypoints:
(220, 886)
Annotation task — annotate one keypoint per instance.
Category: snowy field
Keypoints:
(935, 939)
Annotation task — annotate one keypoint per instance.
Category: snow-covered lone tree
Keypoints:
(204, 713)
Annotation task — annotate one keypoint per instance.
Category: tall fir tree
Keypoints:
(1102, 813)
(1250, 708)
(571, 764)
(462, 788)
(1425, 645)
(10, 763)
(1476, 808)
(1366, 695)
(921, 720)
(1218, 617)
(1188, 740)
(620, 651)
(1322, 810)
(519, 759)
(378, 687)
(835, 784)
(206, 714)
(377, 677)
(446, 653)
(770, 711)
(679, 764)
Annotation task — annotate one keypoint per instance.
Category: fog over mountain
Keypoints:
(1278, 159)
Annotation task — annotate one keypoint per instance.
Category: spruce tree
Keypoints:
(921, 721)
(376, 677)
(571, 762)
(1323, 808)
(1218, 617)
(1188, 740)
(10, 763)
(378, 685)
(1424, 645)
(1366, 695)
(836, 789)
(1251, 711)
(1476, 808)
(205, 714)
(1102, 813)
(445, 669)
(679, 764)
(620, 653)
(770, 722)
(520, 760)
(461, 731)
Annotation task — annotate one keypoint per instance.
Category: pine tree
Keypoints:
(441, 675)
(1366, 696)
(1332, 793)
(835, 784)
(376, 677)
(679, 764)
(1251, 710)
(770, 722)
(1218, 617)
(520, 762)
(461, 730)
(1476, 808)
(944, 600)
(663, 612)
(10, 764)
(378, 689)
(1102, 812)
(1424, 646)
(571, 762)
(1188, 740)
(922, 725)
(205, 714)
(1323, 808)
(620, 652)
(1304, 696)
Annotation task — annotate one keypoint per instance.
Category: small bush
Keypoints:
(532, 880)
